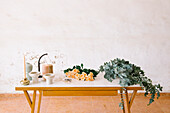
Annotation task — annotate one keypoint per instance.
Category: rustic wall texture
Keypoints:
(88, 31)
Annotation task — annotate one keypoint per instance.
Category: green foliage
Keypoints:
(130, 74)
(121, 105)
(81, 69)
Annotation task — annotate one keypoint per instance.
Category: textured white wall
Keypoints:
(88, 31)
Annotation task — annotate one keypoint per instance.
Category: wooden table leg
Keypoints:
(32, 104)
(122, 101)
(28, 98)
(33, 101)
(127, 101)
(39, 101)
(132, 97)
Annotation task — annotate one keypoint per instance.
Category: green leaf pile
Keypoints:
(130, 74)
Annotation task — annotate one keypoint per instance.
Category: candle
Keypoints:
(47, 68)
(24, 68)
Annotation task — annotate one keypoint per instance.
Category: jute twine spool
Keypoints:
(25, 82)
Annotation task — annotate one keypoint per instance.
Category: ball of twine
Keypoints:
(25, 82)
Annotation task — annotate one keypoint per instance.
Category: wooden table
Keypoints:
(99, 87)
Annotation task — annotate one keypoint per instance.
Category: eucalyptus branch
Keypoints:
(130, 74)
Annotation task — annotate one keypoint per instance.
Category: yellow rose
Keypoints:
(85, 74)
(72, 76)
(66, 73)
(81, 75)
(69, 76)
(91, 79)
(77, 78)
(77, 75)
(87, 79)
(82, 78)
(91, 74)
(76, 70)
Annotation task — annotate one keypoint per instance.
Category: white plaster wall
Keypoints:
(88, 31)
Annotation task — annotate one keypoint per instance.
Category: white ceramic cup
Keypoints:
(34, 76)
(49, 77)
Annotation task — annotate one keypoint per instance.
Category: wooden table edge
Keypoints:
(77, 88)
